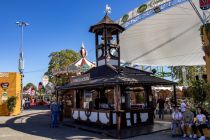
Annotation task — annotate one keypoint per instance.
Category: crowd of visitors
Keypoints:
(188, 123)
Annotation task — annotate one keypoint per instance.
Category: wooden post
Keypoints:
(205, 37)
(117, 101)
(148, 92)
(207, 60)
(96, 45)
(175, 98)
(74, 96)
(78, 99)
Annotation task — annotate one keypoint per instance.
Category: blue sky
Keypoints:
(54, 25)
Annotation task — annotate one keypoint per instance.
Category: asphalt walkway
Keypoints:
(34, 124)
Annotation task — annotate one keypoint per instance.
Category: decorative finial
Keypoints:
(83, 51)
(82, 46)
(108, 9)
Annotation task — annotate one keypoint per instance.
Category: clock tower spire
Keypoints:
(107, 40)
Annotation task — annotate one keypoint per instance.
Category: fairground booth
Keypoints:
(106, 94)
(10, 85)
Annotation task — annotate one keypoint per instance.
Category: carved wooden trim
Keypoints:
(88, 113)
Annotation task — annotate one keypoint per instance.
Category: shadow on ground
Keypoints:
(38, 124)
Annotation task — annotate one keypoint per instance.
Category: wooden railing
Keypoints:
(129, 118)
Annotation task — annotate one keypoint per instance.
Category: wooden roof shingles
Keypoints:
(107, 75)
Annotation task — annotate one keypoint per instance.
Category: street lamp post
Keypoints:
(21, 24)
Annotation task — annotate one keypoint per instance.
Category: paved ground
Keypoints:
(35, 125)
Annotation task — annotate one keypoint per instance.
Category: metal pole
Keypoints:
(21, 42)
(196, 11)
(21, 61)
(21, 71)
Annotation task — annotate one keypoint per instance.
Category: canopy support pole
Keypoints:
(196, 11)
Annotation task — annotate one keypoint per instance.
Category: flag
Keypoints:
(204, 4)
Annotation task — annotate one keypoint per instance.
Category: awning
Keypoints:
(168, 38)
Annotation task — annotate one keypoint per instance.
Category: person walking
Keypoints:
(55, 108)
(161, 103)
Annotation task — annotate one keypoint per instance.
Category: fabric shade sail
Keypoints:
(170, 37)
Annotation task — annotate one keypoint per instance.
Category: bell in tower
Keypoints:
(107, 40)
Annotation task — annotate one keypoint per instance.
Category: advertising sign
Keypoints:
(204, 4)
(81, 78)
(4, 96)
(5, 85)
(4, 74)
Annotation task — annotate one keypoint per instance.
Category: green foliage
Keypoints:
(29, 85)
(11, 103)
(59, 60)
(139, 98)
(191, 73)
(186, 93)
(200, 91)
(125, 18)
(161, 73)
(142, 8)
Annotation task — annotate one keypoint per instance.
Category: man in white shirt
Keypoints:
(176, 121)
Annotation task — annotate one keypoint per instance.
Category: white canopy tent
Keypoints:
(168, 38)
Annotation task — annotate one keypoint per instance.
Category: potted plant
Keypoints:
(11, 104)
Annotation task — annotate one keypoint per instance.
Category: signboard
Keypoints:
(204, 4)
(81, 78)
(4, 74)
(4, 96)
(5, 85)
(45, 80)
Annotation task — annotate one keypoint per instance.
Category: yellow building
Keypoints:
(10, 85)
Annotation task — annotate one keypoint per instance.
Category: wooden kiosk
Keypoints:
(103, 95)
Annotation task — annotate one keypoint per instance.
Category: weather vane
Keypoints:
(108, 9)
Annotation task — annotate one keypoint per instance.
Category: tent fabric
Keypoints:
(168, 38)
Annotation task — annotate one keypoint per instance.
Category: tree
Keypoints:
(191, 73)
(60, 60)
(30, 85)
(200, 91)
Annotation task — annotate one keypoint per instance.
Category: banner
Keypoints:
(204, 4)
